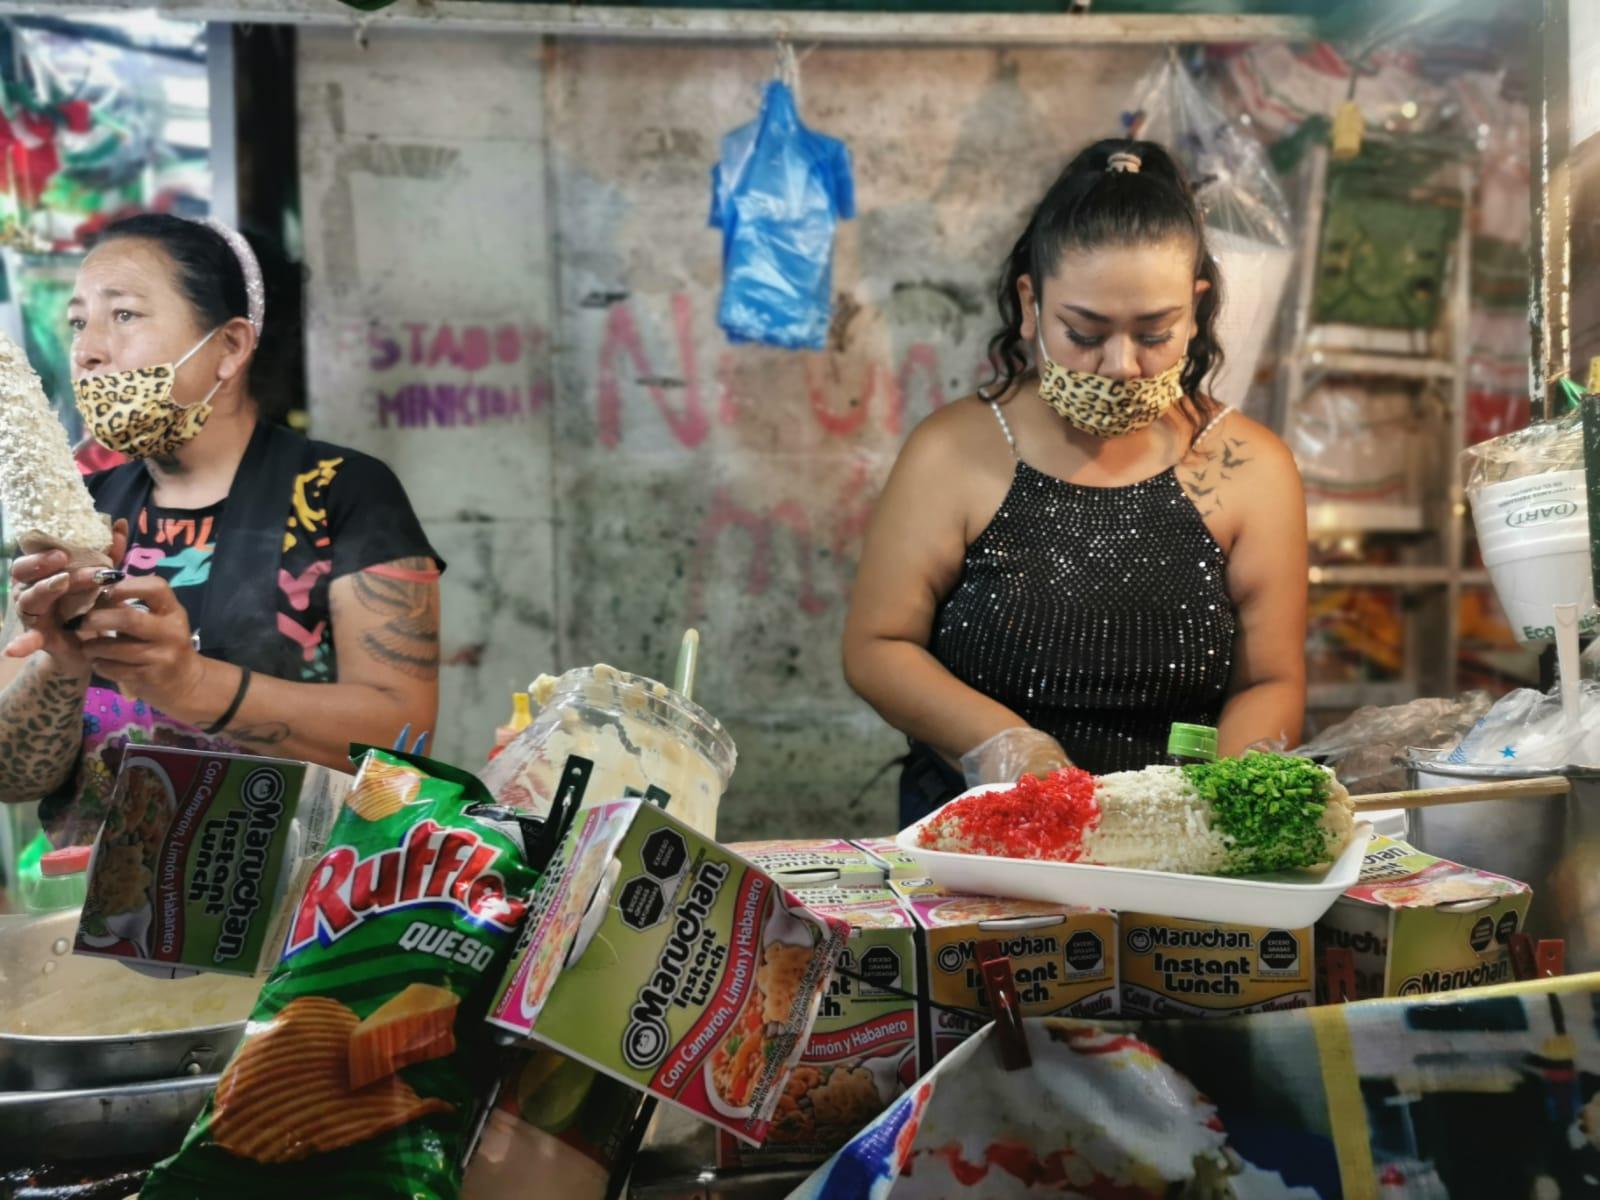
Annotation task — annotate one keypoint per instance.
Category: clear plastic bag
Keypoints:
(1362, 748)
(1356, 443)
(1541, 449)
(1229, 169)
(1527, 729)
(1247, 219)
(777, 194)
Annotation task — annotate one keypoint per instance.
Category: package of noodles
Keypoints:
(670, 963)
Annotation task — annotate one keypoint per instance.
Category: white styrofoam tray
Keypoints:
(1290, 899)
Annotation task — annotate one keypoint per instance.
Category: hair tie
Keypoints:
(255, 291)
(1123, 160)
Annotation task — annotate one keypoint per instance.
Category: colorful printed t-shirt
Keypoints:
(348, 512)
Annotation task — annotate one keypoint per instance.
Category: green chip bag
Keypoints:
(367, 1056)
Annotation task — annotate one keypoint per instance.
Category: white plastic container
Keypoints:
(1289, 900)
(1534, 536)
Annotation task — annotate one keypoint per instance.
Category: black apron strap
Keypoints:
(239, 616)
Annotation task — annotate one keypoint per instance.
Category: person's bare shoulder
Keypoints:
(962, 435)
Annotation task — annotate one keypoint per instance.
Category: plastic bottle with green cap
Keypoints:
(1188, 744)
(50, 880)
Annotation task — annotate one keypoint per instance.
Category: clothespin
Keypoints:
(1005, 1004)
(1338, 975)
(1550, 958)
(788, 68)
(1523, 965)
(1349, 126)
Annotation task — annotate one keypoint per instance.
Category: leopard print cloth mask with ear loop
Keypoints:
(133, 412)
(1107, 407)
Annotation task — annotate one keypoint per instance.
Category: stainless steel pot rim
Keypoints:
(149, 1087)
(1436, 766)
(88, 1040)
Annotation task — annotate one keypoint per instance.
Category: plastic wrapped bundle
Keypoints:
(1240, 816)
(41, 492)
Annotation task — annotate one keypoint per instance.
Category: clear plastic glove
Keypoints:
(1011, 754)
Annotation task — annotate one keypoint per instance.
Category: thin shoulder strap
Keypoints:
(1005, 427)
(1222, 415)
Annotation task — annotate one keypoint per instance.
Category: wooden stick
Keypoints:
(1511, 789)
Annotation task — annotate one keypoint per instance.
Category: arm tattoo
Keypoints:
(41, 730)
(408, 638)
(266, 733)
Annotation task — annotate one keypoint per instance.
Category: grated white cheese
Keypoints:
(1152, 819)
(40, 488)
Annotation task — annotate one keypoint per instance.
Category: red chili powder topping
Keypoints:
(1038, 818)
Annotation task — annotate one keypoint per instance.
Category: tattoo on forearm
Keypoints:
(41, 729)
(408, 639)
(265, 733)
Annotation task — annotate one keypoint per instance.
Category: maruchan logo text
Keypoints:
(1144, 939)
(1481, 975)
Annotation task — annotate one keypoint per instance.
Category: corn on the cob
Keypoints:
(41, 491)
(1259, 813)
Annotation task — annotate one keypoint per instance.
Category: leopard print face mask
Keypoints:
(1105, 407)
(133, 412)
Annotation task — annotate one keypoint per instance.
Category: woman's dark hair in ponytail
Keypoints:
(210, 277)
(1089, 206)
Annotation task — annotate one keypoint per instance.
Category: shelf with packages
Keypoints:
(1348, 516)
(1320, 363)
(1372, 398)
(1379, 693)
(1382, 575)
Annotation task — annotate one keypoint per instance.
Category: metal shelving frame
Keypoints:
(1431, 663)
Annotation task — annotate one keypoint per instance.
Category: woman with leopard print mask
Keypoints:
(1091, 548)
(273, 594)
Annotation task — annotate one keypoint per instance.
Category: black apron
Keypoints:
(239, 615)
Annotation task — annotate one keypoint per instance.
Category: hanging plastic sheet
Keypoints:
(778, 193)
(1247, 218)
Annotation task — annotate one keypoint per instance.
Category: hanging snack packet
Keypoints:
(367, 1053)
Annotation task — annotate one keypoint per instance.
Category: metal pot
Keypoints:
(141, 1121)
(1551, 844)
(71, 1021)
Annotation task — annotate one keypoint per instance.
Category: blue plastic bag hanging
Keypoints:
(777, 195)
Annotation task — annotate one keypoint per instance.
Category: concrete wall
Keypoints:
(513, 301)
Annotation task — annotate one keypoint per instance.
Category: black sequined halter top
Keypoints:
(1099, 615)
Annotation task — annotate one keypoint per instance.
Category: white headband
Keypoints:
(255, 291)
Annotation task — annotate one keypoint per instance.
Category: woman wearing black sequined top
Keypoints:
(1091, 548)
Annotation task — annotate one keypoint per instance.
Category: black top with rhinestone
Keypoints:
(1099, 615)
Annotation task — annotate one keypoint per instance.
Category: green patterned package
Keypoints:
(367, 1054)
